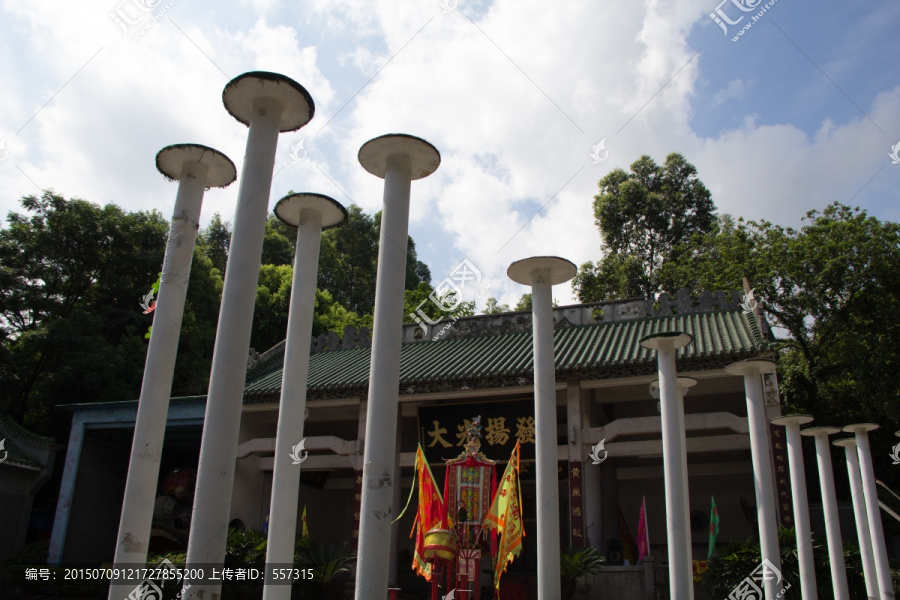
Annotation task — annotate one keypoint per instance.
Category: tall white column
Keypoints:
(761, 451)
(829, 503)
(860, 516)
(195, 167)
(873, 511)
(268, 103)
(310, 214)
(397, 507)
(678, 525)
(541, 273)
(398, 159)
(802, 528)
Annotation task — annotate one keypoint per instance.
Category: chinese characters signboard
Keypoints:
(443, 429)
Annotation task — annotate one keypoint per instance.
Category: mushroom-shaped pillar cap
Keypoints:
(861, 427)
(243, 92)
(819, 431)
(220, 171)
(288, 209)
(528, 270)
(683, 382)
(666, 339)
(424, 158)
(792, 420)
(849, 442)
(753, 366)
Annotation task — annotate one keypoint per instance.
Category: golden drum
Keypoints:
(440, 546)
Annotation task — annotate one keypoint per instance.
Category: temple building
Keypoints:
(479, 366)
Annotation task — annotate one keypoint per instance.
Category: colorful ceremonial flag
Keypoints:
(643, 533)
(713, 527)
(430, 514)
(305, 528)
(629, 548)
(505, 517)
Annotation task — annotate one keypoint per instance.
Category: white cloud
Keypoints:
(512, 94)
(735, 90)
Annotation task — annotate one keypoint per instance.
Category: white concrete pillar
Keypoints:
(541, 273)
(269, 103)
(195, 167)
(829, 503)
(802, 527)
(310, 214)
(397, 507)
(860, 516)
(761, 452)
(593, 523)
(873, 511)
(398, 159)
(678, 524)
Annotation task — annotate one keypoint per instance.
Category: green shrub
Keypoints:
(739, 559)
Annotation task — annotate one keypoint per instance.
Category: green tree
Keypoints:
(831, 288)
(347, 261)
(644, 218)
(331, 316)
(524, 302)
(72, 274)
(198, 328)
(417, 301)
(492, 306)
(740, 559)
(273, 298)
(416, 270)
(215, 240)
(279, 243)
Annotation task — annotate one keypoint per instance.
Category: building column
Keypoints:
(873, 511)
(592, 515)
(802, 528)
(829, 503)
(310, 214)
(269, 103)
(398, 159)
(356, 461)
(66, 492)
(541, 273)
(678, 523)
(396, 507)
(859, 515)
(195, 168)
(761, 451)
(577, 534)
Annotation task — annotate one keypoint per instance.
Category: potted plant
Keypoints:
(575, 562)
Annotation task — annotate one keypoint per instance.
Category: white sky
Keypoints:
(801, 111)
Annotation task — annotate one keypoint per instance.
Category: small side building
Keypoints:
(26, 464)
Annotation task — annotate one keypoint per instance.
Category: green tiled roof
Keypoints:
(14, 436)
(595, 351)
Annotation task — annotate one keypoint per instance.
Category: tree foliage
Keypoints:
(740, 559)
(831, 288)
(524, 302)
(71, 278)
(215, 240)
(423, 301)
(345, 294)
(492, 306)
(644, 218)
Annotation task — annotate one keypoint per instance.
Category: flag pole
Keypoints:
(646, 524)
